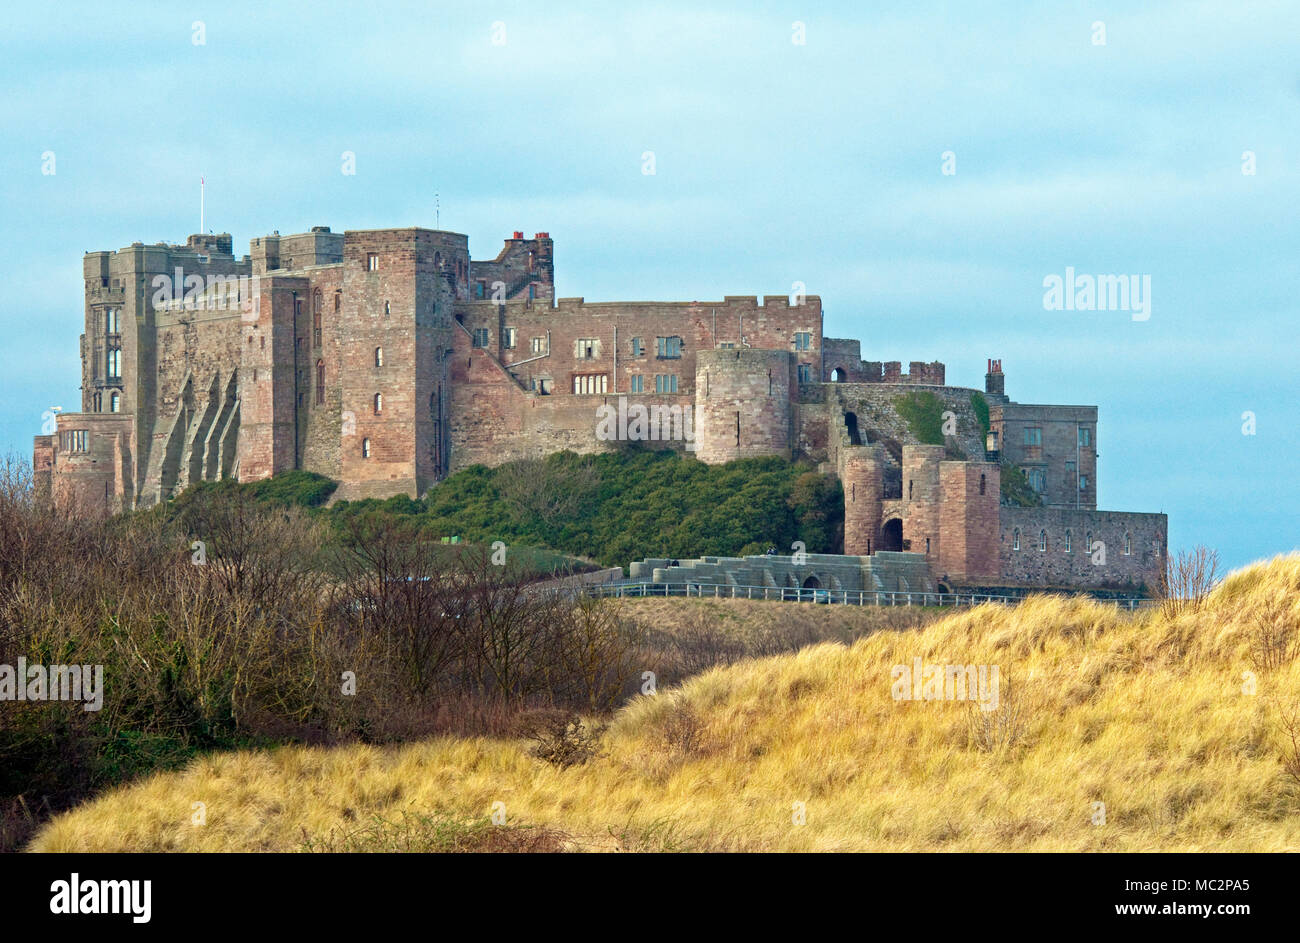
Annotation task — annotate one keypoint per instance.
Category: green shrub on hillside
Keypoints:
(627, 505)
(923, 412)
(981, 407)
(1016, 490)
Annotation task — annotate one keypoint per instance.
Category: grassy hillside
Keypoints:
(611, 508)
(1148, 714)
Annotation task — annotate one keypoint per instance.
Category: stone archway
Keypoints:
(839, 375)
(851, 424)
(891, 535)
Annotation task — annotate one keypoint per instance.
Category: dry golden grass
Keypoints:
(1144, 713)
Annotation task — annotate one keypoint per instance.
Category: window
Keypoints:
(372, 264)
(115, 403)
(365, 446)
(1128, 544)
(638, 383)
(637, 350)
(1068, 538)
(669, 348)
(586, 384)
(480, 289)
(1088, 547)
(388, 308)
(1037, 479)
(1015, 539)
(1083, 482)
(97, 403)
(538, 345)
(379, 356)
(666, 383)
(315, 328)
(110, 321)
(927, 546)
(532, 292)
(805, 373)
(480, 337)
(586, 348)
(544, 386)
(115, 364)
(1085, 437)
(803, 341)
(338, 300)
(1042, 541)
(76, 440)
(320, 382)
(1033, 435)
(983, 483)
(379, 403)
(508, 338)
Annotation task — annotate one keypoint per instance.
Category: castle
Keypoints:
(387, 359)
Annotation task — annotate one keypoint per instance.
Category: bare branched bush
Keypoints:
(1289, 729)
(1001, 729)
(681, 731)
(1274, 639)
(1188, 579)
(547, 489)
(563, 740)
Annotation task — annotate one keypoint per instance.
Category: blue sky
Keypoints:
(775, 162)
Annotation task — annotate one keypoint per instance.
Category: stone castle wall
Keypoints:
(387, 359)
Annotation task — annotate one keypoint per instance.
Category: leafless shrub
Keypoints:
(1189, 577)
(681, 731)
(994, 731)
(563, 740)
(1289, 724)
(547, 489)
(1274, 640)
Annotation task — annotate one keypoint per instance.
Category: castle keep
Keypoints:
(387, 359)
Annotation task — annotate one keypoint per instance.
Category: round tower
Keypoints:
(862, 472)
(742, 404)
(921, 498)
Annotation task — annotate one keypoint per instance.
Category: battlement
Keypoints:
(891, 371)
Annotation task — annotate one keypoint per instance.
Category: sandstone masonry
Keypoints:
(387, 359)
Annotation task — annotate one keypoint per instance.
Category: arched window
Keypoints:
(379, 356)
(1015, 539)
(1042, 541)
(320, 382)
(379, 403)
(365, 448)
(1068, 537)
(115, 364)
(115, 403)
(982, 483)
(1088, 547)
(1128, 543)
